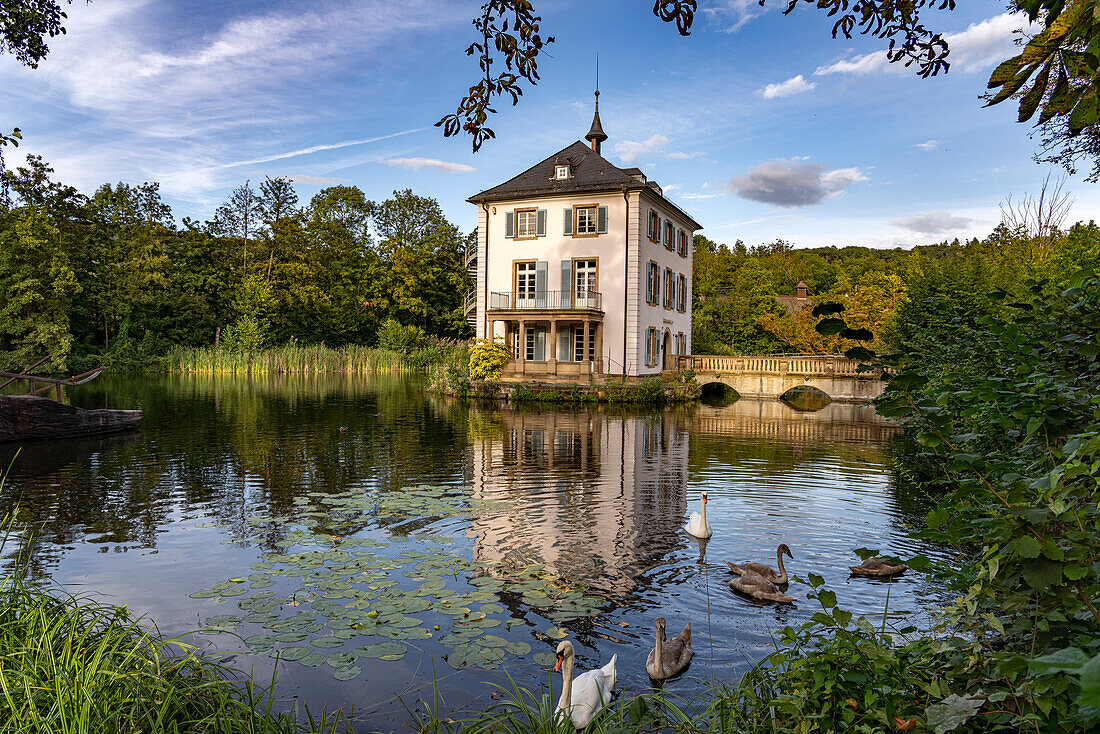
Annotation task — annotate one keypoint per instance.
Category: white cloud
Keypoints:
(681, 155)
(980, 45)
(732, 15)
(185, 103)
(419, 164)
(933, 223)
(630, 150)
(314, 180)
(317, 149)
(928, 145)
(793, 183)
(690, 197)
(794, 85)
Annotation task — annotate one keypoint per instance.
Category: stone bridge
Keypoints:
(772, 376)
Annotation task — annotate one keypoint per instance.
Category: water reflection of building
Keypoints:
(598, 499)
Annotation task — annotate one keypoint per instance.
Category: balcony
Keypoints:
(547, 301)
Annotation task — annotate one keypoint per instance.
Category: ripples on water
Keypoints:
(598, 495)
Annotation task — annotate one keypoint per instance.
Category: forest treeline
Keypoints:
(111, 278)
(904, 296)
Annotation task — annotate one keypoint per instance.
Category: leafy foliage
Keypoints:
(112, 279)
(487, 359)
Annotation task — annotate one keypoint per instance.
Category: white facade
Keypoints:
(542, 294)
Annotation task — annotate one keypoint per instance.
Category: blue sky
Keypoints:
(763, 126)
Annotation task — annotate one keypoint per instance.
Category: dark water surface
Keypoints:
(505, 528)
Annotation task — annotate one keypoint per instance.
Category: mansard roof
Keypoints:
(589, 172)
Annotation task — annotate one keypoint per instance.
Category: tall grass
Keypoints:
(311, 358)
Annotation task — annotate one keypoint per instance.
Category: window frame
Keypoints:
(576, 272)
(655, 226)
(654, 277)
(577, 219)
(681, 246)
(670, 235)
(681, 293)
(534, 212)
(515, 278)
(558, 170)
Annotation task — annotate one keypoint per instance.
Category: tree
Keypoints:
(278, 202)
(38, 283)
(24, 26)
(238, 217)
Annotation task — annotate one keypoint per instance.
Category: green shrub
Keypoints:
(396, 337)
(487, 359)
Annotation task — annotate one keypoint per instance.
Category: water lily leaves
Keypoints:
(352, 671)
(410, 586)
(293, 653)
(384, 650)
(342, 659)
(556, 633)
(544, 658)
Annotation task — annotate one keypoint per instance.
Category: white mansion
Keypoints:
(583, 268)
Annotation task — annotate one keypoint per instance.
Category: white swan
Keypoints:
(583, 696)
(698, 525)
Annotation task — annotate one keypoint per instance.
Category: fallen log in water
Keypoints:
(25, 417)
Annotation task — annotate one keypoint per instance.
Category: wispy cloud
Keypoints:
(980, 45)
(732, 15)
(302, 178)
(933, 223)
(794, 85)
(928, 145)
(318, 149)
(631, 150)
(690, 197)
(681, 155)
(793, 183)
(419, 164)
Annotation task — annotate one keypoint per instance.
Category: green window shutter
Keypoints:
(509, 224)
(566, 284)
(601, 220)
(541, 268)
(567, 221)
(650, 218)
(565, 344)
(540, 223)
(648, 283)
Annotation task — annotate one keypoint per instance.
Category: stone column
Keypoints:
(521, 357)
(599, 347)
(552, 348)
(586, 351)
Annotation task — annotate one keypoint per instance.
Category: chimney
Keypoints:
(801, 291)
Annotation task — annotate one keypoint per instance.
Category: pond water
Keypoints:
(363, 537)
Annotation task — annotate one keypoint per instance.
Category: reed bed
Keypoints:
(312, 358)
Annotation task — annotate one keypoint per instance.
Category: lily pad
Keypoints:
(348, 673)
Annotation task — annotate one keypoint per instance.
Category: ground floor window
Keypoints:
(578, 344)
(534, 344)
(651, 348)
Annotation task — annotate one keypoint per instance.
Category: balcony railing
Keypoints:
(546, 300)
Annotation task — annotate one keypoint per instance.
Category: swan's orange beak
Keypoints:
(557, 664)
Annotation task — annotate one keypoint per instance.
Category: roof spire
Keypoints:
(596, 135)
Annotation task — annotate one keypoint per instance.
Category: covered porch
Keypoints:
(552, 347)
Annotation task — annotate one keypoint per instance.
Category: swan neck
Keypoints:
(703, 513)
(567, 684)
(658, 656)
(779, 560)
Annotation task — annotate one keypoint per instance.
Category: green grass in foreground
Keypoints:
(70, 665)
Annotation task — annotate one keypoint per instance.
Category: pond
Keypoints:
(365, 538)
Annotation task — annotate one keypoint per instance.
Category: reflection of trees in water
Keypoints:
(225, 449)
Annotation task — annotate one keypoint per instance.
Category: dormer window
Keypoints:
(561, 172)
